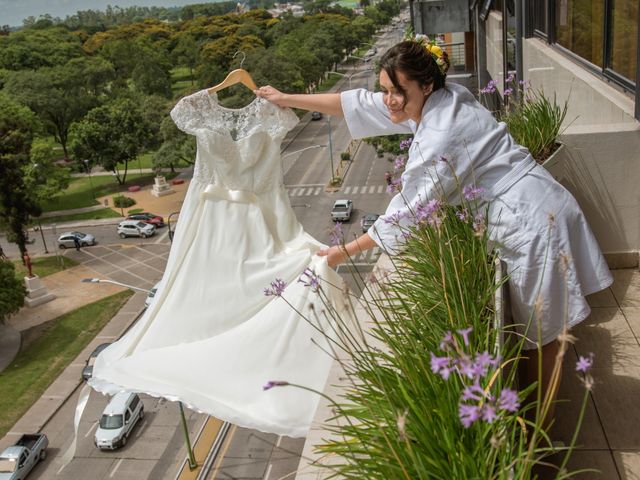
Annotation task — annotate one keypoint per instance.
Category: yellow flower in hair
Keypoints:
(436, 50)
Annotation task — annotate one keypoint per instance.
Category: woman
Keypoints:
(552, 257)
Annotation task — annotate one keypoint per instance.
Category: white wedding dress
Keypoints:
(212, 339)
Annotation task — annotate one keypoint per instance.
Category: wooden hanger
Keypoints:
(239, 75)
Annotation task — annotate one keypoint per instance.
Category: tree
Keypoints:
(42, 177)
(33, 49)
(12, 290)
(60, 95)
(186, 52)
(176, 146)
(112, 134)
(16, 135)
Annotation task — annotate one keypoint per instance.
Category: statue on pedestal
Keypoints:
(27, 263)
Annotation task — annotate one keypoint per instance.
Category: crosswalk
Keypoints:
(366, 258)
(314, 190)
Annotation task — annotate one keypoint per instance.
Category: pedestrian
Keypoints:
(76, 242)
(534, 223)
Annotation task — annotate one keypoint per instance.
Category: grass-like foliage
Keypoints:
(429, 387)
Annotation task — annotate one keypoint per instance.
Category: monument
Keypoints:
(161, 187)
(37, 293)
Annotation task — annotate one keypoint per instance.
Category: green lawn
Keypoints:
(95, 215)
(82, 191)
(181, 81)
(329, 82)
(37, 366)
(43, 266)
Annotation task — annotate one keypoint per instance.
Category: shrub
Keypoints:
(345, 156)
(120, 201)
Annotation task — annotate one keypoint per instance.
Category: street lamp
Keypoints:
(330, 148)
(36, 165)
(192, 461)
(102, 280)
(86, 164)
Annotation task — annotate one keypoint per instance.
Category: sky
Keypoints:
(12, 12)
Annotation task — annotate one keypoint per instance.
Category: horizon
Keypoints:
(15, 11)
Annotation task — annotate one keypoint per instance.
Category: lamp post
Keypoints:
(42, 235)
(192, 461)
(330, 148)
(86, 164)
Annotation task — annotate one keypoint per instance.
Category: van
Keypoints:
(118, 419)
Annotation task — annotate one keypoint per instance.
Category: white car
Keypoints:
(135, 228)
(118, 419)
(67, 239)
(150, 296)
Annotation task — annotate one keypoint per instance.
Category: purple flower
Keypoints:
(274, 383)
(465, 334)
(488, 413)
(395, 185)
(473, 392)
(466, 367)
(478, 224)
(428, 212)
(508, 400)
(276, 288)
(463, 215)
(404, 144)
(468, 414)
(508, 91)
(444, 159)
(490, 88)
(511, 78)
(584, 364)
(399, 163)
(471, 192)
(336, 234)
(309, 279)
(394, 219)
(439, 363)
(446, 341)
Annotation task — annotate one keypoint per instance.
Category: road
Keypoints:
(157, 448)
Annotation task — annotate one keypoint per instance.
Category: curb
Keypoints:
(55, 402)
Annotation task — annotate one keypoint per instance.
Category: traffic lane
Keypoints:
(250, 454)
(154, 450)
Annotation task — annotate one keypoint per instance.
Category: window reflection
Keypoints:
(579, 27)
(624, 38)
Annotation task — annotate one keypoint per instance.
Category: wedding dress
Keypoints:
(212, 339)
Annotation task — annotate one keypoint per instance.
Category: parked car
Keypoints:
(17, 460)
(151, 295)
(87, 371)
(67, 239)
(316, 116)
(146, 217)
(135, 228)
(341, 211)
(118, 419)
(367, 220)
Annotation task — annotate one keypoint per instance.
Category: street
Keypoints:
(156, 448)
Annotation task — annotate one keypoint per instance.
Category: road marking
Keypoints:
(279, 440)
(266, 475)
(347, 190)
(372, 188)
(354, 191)
(162, 237)
(61, 468)
(309, 192)
(91, 429)
(317, 191)
(223, 452)
(380, 188)
(113, 472)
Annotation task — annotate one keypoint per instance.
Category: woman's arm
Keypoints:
(328, 103)
(340, 253)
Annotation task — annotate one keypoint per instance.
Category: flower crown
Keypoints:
(439, 55)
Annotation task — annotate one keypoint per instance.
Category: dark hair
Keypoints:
(413, 60)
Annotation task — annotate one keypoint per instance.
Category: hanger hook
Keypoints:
(244, 57)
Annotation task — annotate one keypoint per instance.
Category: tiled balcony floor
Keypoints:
(609, 439)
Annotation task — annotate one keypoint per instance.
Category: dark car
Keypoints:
(316, 116)
(87, 371)
(367, 220)
(147, 217)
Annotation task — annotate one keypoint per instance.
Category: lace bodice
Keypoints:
(237, 148)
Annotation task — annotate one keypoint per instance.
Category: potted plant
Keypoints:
(534, 121)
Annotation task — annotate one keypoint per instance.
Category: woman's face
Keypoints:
(395, 102)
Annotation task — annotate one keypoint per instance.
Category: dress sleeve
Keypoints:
(286, 119)
(188, 113)
(366, 115)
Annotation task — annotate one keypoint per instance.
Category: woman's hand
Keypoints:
(272, 95)
(335, 255)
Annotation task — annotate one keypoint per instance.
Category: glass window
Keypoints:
(579, 28)
(624, 38)
(540, 15)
